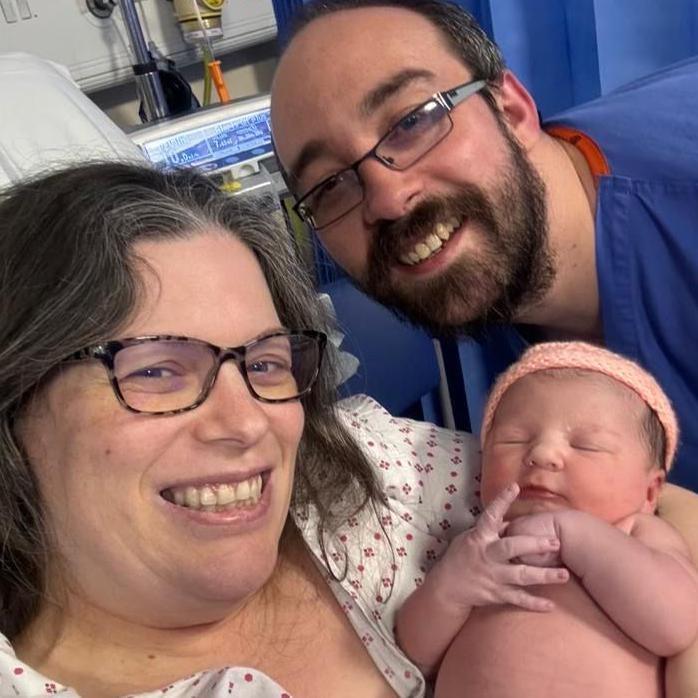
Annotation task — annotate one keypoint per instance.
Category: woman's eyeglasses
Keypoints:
(162, 374)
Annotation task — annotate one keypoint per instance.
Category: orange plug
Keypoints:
(217, 77)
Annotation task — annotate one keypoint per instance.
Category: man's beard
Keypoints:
(512, 269)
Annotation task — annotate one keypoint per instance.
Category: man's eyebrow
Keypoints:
(386, 89)
(372, 101)
(309, 152)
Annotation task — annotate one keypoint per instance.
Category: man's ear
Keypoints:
(655, 480)
(519, 110)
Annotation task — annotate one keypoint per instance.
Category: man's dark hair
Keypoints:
(464, 37)
(463, 34)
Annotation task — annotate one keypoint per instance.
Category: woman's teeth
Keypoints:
(221, 497)
(432, 243)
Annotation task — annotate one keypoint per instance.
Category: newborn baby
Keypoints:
(568, 585)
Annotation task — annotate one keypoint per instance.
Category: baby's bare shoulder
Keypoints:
(659, 534)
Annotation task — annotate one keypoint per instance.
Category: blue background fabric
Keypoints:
(284, 10)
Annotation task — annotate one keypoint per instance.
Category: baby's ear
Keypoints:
(655, 479)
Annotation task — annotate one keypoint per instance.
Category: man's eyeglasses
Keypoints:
(162, 374)
(406, 142)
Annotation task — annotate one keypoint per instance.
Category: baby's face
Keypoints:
(571, 441)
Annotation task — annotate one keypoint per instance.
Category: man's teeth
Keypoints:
(220, 497)
(431, 243)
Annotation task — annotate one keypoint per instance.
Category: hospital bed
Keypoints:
(48, 121)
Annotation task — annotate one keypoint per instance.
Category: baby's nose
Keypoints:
(544, 455)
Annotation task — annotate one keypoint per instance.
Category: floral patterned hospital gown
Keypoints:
(431, 477)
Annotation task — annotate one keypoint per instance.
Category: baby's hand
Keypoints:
(478, 569)
(544, 524)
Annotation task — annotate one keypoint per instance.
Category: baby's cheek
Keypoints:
(493, 479)
(487, 493)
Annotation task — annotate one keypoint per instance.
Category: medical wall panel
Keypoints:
(95, 50)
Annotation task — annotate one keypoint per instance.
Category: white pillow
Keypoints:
(48, 122)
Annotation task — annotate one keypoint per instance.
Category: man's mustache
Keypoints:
(395, 237)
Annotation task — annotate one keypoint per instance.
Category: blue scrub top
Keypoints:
(647, 234)
(646, 245)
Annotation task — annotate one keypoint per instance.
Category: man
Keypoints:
(421, 162)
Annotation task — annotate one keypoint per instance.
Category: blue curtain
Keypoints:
(284, 10)
(570, 51)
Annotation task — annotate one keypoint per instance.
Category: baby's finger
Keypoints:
(527, 575)
(529, 602)
(491, 519)
(518, 546)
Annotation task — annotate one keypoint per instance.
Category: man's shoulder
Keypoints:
(645, 129)
(669, 80)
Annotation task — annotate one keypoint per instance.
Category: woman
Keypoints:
(148, 474)
(182, 508)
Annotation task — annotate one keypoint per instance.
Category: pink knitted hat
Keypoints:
(587, 357)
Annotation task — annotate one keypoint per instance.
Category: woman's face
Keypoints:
(109, 476)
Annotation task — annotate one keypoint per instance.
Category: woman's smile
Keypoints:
(240, 504)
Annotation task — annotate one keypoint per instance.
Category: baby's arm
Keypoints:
(644, 581)
(476, 570)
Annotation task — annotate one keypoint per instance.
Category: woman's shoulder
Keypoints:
(429, 477)
(19, 679)
(372, 424)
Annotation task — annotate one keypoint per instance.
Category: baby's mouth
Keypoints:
(217, 497)
(432, 242)
(536, 492)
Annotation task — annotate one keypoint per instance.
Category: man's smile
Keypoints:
(432, 243)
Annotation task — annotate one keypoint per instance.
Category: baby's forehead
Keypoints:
(593, 381)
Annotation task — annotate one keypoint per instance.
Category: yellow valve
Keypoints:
(200, 19)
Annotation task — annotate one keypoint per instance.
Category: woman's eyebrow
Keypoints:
(269, 330)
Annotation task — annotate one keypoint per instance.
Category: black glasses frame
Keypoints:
(448, 99)
(107, 351)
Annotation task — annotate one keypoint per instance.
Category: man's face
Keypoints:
(344, 81)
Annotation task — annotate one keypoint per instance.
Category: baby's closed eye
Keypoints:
(590, 447)
(506, 437)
